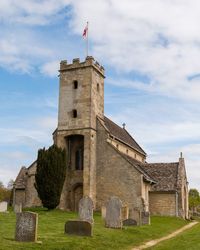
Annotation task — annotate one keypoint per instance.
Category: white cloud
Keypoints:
(51, 68)
(159, 39)
(31, 12)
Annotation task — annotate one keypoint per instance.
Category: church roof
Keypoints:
(122, 135)
(20, 181)
(139, 166)
(165, 175)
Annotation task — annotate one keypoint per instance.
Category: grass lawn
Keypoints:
(188, 240)
(51, 233)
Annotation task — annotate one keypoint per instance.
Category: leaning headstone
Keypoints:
(26, 226)
(129, 222)
(113, 213)
(18, 208)
(125, 212)
(145, 218)
(3, 206)
(80, 228)
(86, 209)
(103, 212)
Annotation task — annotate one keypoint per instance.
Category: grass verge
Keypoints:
(51, 233)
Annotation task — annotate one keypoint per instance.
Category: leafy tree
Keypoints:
(5, 194)
(194, 199)
(1, 184)
(10, 184)
(50, 175)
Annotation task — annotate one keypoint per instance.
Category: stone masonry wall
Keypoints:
(87, 176)
(20, 196)
(182, 187)
(87, 98)
(32, 199)
(115, 175)
(163, 204)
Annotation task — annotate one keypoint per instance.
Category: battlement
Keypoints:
(89, 61)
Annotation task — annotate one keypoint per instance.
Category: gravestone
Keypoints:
(86, 209)
(125, 212)
(3, 206)
(26, 226)
(103, 212)
(76, 227)
(145, 218)
(113, 213)
(18, 208)
(129, 222)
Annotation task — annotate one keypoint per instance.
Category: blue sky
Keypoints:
(150, 51)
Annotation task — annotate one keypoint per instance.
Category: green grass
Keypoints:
(51, 233)
(188, 240)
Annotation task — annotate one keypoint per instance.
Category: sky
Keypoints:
(150, 51)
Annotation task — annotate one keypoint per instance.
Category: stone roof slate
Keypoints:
(139, 166)
(122, 134)
(165, 174)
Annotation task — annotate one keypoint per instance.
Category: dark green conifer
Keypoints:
(50, 175)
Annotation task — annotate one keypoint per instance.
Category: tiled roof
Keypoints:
(165, 174)
(20, 181)
(122, 135)
(139, 166)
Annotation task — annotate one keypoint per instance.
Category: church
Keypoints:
(104, 160)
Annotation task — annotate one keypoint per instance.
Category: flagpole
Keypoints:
(87, 42)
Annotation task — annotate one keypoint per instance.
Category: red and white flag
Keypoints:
(85, 31)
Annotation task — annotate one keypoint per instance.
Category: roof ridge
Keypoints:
(158, 163)
(134, 140)
(122, 135)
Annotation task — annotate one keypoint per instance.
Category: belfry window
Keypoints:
(75, 84)
(98, 87)
(74, 113)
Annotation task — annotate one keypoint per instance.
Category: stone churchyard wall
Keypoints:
(162, 204)
(115, 175)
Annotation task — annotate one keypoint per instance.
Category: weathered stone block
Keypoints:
(3, 206)
(113, 213)
(103, 212)
(18, 208)
(125, 212)
(76, 227)
(145, 218)
(129, 222)
(86, 209)
(26, 226)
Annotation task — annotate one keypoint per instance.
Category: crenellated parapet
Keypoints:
(76, 64)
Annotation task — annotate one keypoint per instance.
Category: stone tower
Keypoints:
(81, 100)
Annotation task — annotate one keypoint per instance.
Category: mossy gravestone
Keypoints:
(26, 226)
(86, 209)
(80, 228)
(113, 213)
